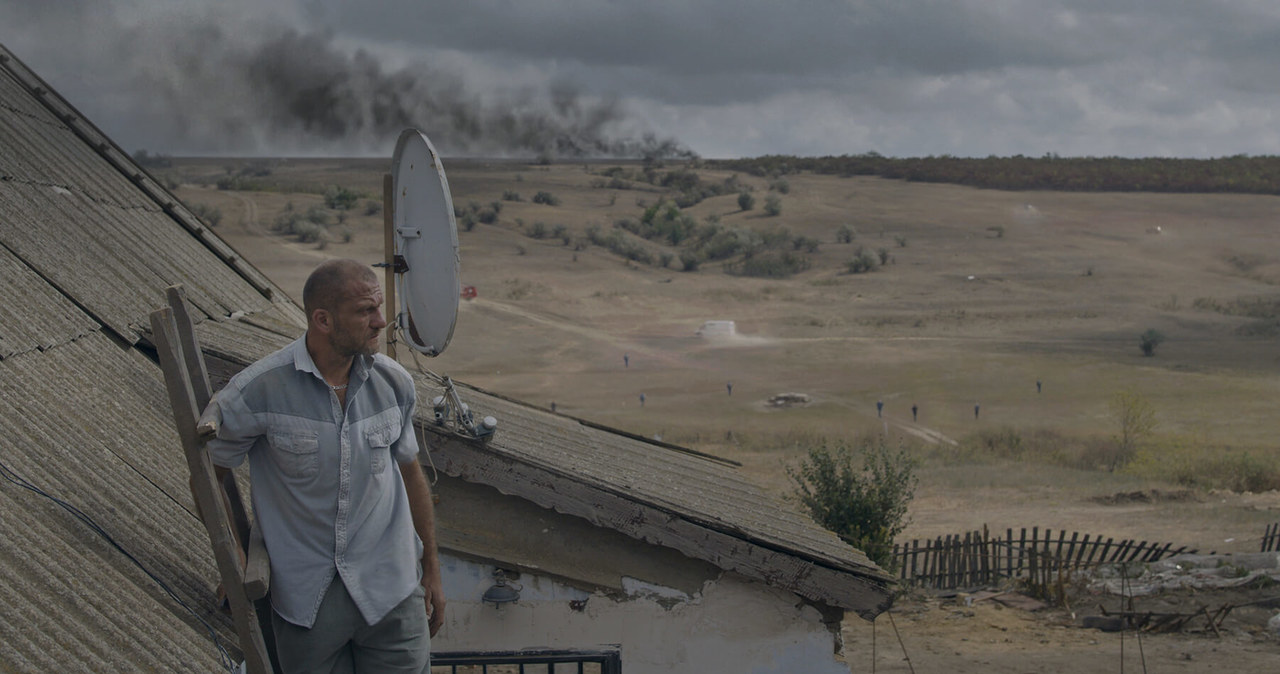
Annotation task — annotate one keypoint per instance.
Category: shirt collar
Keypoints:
(303, 363)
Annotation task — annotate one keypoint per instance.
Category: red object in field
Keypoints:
(469, 292)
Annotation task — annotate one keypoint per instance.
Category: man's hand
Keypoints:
(420, 504)
(435, 601)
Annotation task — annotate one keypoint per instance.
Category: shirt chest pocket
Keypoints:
(296, 453)
(379, 439)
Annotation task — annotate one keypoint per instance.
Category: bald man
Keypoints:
(343, 505)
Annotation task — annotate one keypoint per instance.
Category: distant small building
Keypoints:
(718, 329)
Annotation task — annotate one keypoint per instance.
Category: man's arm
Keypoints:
(424, 521)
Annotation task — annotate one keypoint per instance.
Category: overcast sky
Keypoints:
(720, 78)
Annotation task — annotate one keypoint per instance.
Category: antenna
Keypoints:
(425, 245)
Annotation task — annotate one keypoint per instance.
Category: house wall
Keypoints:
(587, 587)
(732, 624)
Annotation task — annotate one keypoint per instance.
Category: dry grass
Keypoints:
(958, 317)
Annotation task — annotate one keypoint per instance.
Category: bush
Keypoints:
(746, 202)
(340, 198)
(510, 195)
(1149, 340)
(689, 260)
(544, 197)
(772, 205)
(863, 261)
(487, 215)
(771, 265)
(372, 207)
(468, 221)
(865, 507)
(1136, 419)
(845, 234)
(210, 215)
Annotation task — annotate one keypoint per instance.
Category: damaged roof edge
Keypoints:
(867, 594)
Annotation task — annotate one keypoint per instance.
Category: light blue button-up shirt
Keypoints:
(327, 490)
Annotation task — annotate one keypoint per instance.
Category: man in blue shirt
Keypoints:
(344, 508)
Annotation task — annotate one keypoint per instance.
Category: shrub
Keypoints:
(544, 197)
(846, 234)
(1136, 419)
(772, 205)
(867, 506)
(689, 260)
(372, 207)
(863, 261)
(340, 198)
(318, 215)
(1149, 340)
(746, 202)
(487, 215)
(468, 221)
(781, 186)
(883, 254)
(538, 230)
(771, 265)
(210, 215)
(510, 195)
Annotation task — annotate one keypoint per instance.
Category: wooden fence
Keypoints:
(977, 558)
(1271, 539)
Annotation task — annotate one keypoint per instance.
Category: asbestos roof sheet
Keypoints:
(87, 422)
(98, 229)
(34, 315)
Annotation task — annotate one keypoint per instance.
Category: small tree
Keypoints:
(1149, 340)
(772, 205)
(1136, 418)
(865, 507)
(746, 202)
(340, 198)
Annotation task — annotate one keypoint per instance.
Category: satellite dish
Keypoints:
(426, 245)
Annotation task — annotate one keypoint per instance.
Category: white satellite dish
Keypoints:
(426, 245)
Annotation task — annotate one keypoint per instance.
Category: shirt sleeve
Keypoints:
(406, 446)
(238, 429)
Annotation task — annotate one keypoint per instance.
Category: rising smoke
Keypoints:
(216, 85)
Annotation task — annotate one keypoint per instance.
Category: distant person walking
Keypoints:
(1037, 386)
(642, 400)
(976, 408)
(915, 409)
(553, 407)
(879, 408)
(626, 360)
(729, 386)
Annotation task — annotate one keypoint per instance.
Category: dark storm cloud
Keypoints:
(741, 77)
(211, 80)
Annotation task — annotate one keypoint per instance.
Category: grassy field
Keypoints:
(984, 293)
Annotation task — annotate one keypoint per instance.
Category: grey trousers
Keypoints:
(341, 643)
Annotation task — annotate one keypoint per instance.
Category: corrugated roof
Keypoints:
(88, 244)
(87, 422)
(28, 296)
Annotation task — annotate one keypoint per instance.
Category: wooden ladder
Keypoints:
(218, 503)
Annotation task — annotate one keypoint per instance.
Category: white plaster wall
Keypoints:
(733, 625)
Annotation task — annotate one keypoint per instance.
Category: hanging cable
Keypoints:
(88, 521)
(905, 655)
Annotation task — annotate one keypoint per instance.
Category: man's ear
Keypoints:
(322, 320)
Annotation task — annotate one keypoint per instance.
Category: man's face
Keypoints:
(358, 321)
